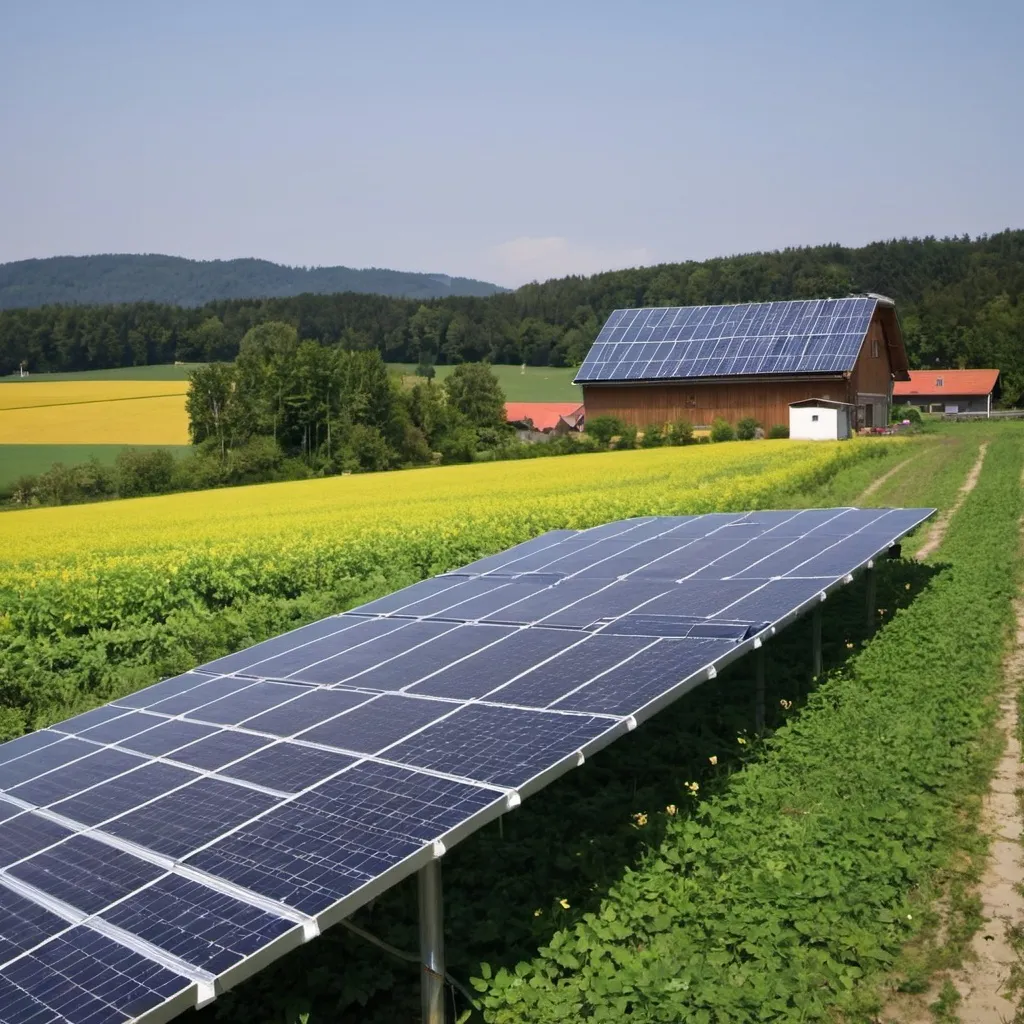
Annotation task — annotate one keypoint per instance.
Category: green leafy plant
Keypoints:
(721, 430)
(746, 428)
(779, 431)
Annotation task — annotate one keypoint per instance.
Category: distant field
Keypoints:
(52, 393)
(18, 460)
(535, 384)
(164, 372)
(94, 412)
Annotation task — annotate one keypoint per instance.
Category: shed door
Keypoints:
(869, 414)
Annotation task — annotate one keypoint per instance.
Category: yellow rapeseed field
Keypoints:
(103, 563)
(30, 394)
(71, 416)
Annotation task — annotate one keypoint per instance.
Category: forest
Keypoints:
(183, 282)
(959, 302)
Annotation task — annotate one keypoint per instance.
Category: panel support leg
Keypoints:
(431, 943)
(816, 643)
(871, 578)
(759, 691)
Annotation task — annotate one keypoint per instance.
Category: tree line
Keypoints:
(959, 301)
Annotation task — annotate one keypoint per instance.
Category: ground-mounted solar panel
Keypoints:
(679, 343)
(162, 847)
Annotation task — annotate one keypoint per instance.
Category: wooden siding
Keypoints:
(766, 398)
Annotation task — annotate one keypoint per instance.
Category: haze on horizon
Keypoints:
(503, 143)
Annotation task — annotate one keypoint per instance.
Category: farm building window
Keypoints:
(814, 417)
(938, 382)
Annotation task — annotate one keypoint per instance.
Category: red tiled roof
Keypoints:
(543, 415)
(954, 382)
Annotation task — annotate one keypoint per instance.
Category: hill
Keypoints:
(85, 280)
(959, 301)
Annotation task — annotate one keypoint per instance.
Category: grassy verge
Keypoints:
(781, 895)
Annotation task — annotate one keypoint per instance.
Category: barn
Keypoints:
(702, 363)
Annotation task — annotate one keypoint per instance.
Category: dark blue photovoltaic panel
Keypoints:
(83, 977)
(310, 709)
(235, 708)
(460, 643)
(23, 925)
(499, 745)
(289, 767)
(801, 336)
(626, 689)
(97, 767)
(182, 821)
(372, 727)
(117, 730)
(213, 752)
(26, 834)
(167, 737)
(273, 660)
(17, 748)
(207, 929)
(161, 691)
(341, 834)
(499, 664)
(573, 668)
(123, 793)
(45, 759)
(85, 873)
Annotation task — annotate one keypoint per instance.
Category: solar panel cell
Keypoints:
(376, 725)
(121, 794)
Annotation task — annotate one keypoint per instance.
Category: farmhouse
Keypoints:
(701, 363)
(949, 390)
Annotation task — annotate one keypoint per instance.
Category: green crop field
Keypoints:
(532, 384)
(18, 460)
(177, 371)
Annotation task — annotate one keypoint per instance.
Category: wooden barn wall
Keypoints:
(872, 374)
(766, 400)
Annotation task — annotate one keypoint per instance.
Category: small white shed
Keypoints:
(818, 419)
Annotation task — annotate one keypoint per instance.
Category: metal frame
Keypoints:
(432, 968)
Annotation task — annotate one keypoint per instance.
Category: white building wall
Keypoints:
(818, 423)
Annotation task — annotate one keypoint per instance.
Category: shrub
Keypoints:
(721, 430)
(138, 472)
(779, 431)
(680, 432)
(627, 437)
(912, 413)
(603, 428)
(654, 437)
(747, 428)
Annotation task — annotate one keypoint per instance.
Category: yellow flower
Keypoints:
(640, 819)
(671, 809)
(713, 759)
(563, 903)
(906, 586)
(693, 787)
(538, 912)
(849, 646)
(785, 704)
(741, 740)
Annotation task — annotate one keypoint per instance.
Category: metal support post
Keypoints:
(872, 594)
(431, 943)
(816, 643)
(759, 692)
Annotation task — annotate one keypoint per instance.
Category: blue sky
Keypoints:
(508, 142)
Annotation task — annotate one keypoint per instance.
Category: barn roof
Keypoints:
(947, 382)
(804, 336)
(543, 415)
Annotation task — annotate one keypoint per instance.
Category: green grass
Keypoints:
(161, 372)
(534, 384)
(17, 460)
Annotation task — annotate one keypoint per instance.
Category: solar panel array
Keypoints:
(162, 847)
(803, 336)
